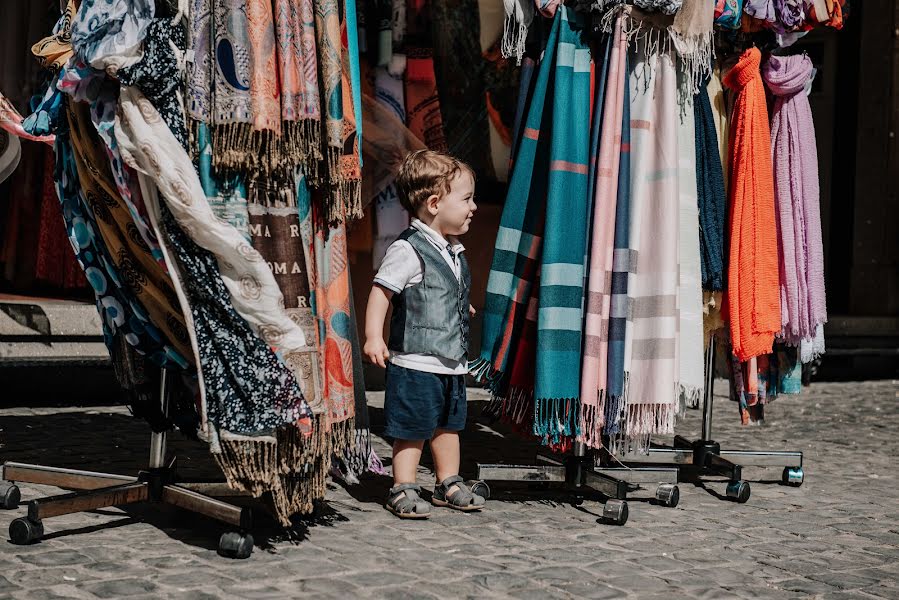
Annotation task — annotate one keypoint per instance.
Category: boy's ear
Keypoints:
(431, 203)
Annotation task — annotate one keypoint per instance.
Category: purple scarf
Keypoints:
(793, 149)
(760, 9)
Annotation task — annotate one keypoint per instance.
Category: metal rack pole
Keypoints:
(708, 395)
(158, 439)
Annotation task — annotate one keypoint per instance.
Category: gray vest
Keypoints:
(431, 317)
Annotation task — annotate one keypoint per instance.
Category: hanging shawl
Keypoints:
(422, 101)
(559, 321)
(54, 51)
(327, 30)
(729, 13)
(691, 33)
(525, 87)
(650, 361)
(760, 380)
(10, 153)
(763, 10)
(158, 74)
(551, 176)
(227, 196)
(140, 270)
(802, 295)
(252, 287)
(330, 285)
(623, 264)
(298, 78)
(121, 313)
(690, 380)
(712, 194)
(106, 34)
(387, 141)
(508, 341)
(752, 280)
(340, 364)
(275, 233)
(12, 122)
(710, 190)
(460, 68)
(391, 219)
(345, 203)
(607, 126)
(519, 14)
(664, 7)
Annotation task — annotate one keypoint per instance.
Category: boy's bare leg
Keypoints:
(445, 449)
(406, 456)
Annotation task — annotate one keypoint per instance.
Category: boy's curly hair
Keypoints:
(426, 173)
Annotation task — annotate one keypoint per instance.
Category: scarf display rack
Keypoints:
(580, 474)
(159, 483)
(664, 467)
(705, 456)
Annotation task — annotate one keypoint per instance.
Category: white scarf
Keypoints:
(149, 146)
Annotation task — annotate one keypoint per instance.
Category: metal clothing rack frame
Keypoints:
(159, 483)
(705, 456)
(663, 467)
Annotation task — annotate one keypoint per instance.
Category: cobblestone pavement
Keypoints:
(835, 537)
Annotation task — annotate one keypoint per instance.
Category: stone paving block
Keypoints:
(846, 580)
(377, 579)
(404, 593)
(806, 586)
(56, 592)
(119, 588)
(48, 576)
(595, 590)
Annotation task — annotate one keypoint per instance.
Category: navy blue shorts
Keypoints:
(417, 403)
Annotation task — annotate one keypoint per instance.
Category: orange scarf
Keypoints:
(753, 299)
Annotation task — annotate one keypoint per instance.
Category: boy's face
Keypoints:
(453, 211)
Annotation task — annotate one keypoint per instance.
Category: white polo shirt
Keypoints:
(402, 268)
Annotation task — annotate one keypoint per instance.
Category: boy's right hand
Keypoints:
(376, 351)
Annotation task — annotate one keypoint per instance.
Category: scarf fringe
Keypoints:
(291, 466)
(592, 421)
(515, 36)
(614, 408)
(641, 422)
(481, 369)
(237, 147)
(697, 55)
(687, 397)
(513, 408)
(555, 418)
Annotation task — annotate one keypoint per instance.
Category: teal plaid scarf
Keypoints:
(547, 193)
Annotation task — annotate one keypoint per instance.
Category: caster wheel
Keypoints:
(9, 495)
(793, 476)
(738, 491)
(668, 495)
(479, 487)
(577, 502)
(236, 545)
(24, 531)
(615, 512)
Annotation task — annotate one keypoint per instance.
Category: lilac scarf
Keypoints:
(803, 306)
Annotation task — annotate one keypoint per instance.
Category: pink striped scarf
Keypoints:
(599, 287)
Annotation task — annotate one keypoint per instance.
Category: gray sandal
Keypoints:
(461, 499)
(403, 501)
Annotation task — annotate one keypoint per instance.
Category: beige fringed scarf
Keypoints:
(692, 36)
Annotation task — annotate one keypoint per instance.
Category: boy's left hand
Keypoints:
(471, 311)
